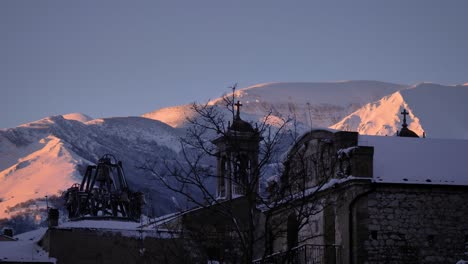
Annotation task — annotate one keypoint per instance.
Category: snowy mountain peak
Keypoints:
(78, 117)
(315, 104)
(438, 110)
(381, 118)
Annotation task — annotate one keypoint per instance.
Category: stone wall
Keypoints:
(413, 224)
(83, 246)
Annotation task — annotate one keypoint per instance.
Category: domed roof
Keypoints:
(240, 125)
(405, 131)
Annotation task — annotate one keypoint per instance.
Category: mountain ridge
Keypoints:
(320, 103)
(29, 153)
(67, 143)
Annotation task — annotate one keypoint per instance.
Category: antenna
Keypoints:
(310, 115)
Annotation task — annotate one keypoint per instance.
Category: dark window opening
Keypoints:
(293, 231)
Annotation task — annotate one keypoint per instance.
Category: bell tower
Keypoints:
(237, 159)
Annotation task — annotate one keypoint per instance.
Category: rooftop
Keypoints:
(416, 160)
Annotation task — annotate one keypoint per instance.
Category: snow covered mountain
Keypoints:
(46, 156)
(313, 104)
(437, 110)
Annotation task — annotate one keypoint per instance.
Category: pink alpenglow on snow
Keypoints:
(78, 117)
(438, 110)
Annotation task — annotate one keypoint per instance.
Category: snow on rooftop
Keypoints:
(418, 160)
(123, 228)
(25, 249)
(104, 224)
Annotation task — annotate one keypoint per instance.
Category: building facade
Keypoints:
(383, 200)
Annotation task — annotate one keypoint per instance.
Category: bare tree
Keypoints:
(242, 225)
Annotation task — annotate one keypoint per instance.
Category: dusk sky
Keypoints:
(126, 58)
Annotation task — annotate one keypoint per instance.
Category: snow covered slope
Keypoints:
(41, 173)
(174, 116)
(439, 111)
(44, 157)
(313, 104)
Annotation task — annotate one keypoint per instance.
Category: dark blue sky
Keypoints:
(121, 58)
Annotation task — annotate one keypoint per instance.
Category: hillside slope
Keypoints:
(45, 157)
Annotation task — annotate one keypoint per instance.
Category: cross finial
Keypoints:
(404, 113)
(238, 104)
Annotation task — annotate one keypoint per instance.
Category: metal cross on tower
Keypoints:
(238, 104)
(404, 113)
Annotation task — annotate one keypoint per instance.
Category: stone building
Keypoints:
(353, 198)
(383, 199)
(341, 198)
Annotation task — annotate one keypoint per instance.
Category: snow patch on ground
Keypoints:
(107, 224)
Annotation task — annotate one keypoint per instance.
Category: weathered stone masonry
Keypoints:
(422, 224)
(87, 246)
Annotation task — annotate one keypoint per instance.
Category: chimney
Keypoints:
(362, 162)
(53, 217)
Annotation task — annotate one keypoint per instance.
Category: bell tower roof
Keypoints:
(238, 124)
(237, 159)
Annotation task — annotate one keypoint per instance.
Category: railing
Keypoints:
(305, 254)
